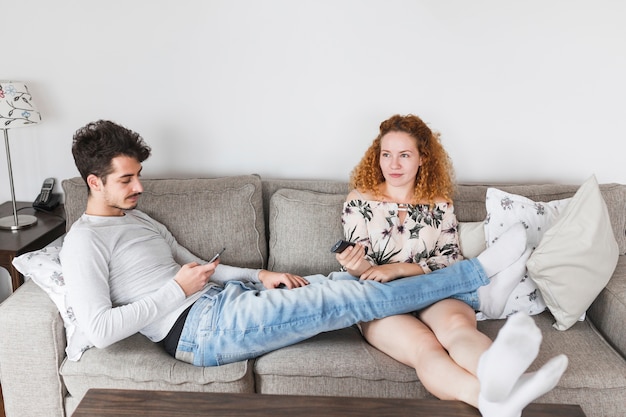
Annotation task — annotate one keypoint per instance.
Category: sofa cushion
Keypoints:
(576, 257)
(596, 375)
(471, 238)
(505, 209)
(137, 363)
(337, 363)
(43, 267)
(303, 227)
(203, 214)
(342, 363)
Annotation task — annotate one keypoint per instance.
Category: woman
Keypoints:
(401, 215)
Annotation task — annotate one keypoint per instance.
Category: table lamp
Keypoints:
(16, 110)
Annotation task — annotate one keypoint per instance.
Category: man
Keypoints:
(125, 273)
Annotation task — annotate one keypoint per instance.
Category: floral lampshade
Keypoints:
(16, 106)
(16, 110)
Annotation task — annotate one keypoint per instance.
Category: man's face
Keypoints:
(123, 187)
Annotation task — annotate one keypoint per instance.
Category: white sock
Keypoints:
(504, 251)
(515, 348)
(493, 296)
(529, 387)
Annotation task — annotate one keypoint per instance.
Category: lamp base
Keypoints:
(23, 221)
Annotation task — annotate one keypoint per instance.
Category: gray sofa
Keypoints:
(288, 225)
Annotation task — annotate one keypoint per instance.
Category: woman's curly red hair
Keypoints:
(435, 178)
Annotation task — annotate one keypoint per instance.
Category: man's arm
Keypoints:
(85, 263)
(221, 275)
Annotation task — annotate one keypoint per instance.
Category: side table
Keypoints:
(49, 227)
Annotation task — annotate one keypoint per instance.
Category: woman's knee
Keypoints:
(404, 338)
(450, 319)
(447, 311)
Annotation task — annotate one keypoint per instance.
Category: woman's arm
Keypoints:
(389, 272)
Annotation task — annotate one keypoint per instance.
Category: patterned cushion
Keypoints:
(505, 209)
(44, 268)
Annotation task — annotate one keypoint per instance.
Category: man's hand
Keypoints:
(193, 277)
(274, 279)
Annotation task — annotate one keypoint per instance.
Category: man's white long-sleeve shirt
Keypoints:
(119, 273)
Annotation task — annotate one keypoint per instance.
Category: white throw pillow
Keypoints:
(576, 257)
(503, 211)
(44, 268)
(471, 238)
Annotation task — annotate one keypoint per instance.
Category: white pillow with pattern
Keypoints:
(503, 211)
(44, 268)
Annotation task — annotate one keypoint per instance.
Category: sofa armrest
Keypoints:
(32, 347)
(608, 311)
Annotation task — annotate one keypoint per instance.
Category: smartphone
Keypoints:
(217, 255)
(341, 245)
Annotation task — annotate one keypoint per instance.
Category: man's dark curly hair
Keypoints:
(95, 145)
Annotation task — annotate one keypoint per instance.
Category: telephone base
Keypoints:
(23, 221)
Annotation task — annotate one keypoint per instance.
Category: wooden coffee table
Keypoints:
(112, 402)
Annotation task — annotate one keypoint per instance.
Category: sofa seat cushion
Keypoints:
(337, 363)
(596, 374)
(342, 363)
(137, 363)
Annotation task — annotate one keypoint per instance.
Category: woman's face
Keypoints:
(399, 158)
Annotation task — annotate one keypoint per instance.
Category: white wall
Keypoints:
(522, 91)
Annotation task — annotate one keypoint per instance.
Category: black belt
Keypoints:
(170, 342)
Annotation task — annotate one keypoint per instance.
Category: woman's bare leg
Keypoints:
(446, 357)
(408, 340)
(454, 324)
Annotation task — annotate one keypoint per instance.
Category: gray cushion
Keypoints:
(342, 363)
(596, 375)
(338, 363)
(203, 214)
(137, 363)
(303, 227)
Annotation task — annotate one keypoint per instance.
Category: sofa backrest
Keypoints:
(290, 225)
(203, 214)
(303, 217)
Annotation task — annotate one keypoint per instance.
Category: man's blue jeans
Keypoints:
(243, 320)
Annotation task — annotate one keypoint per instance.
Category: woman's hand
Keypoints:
(271, 279)
(353, 260)
(381, 273)
(389, 272)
